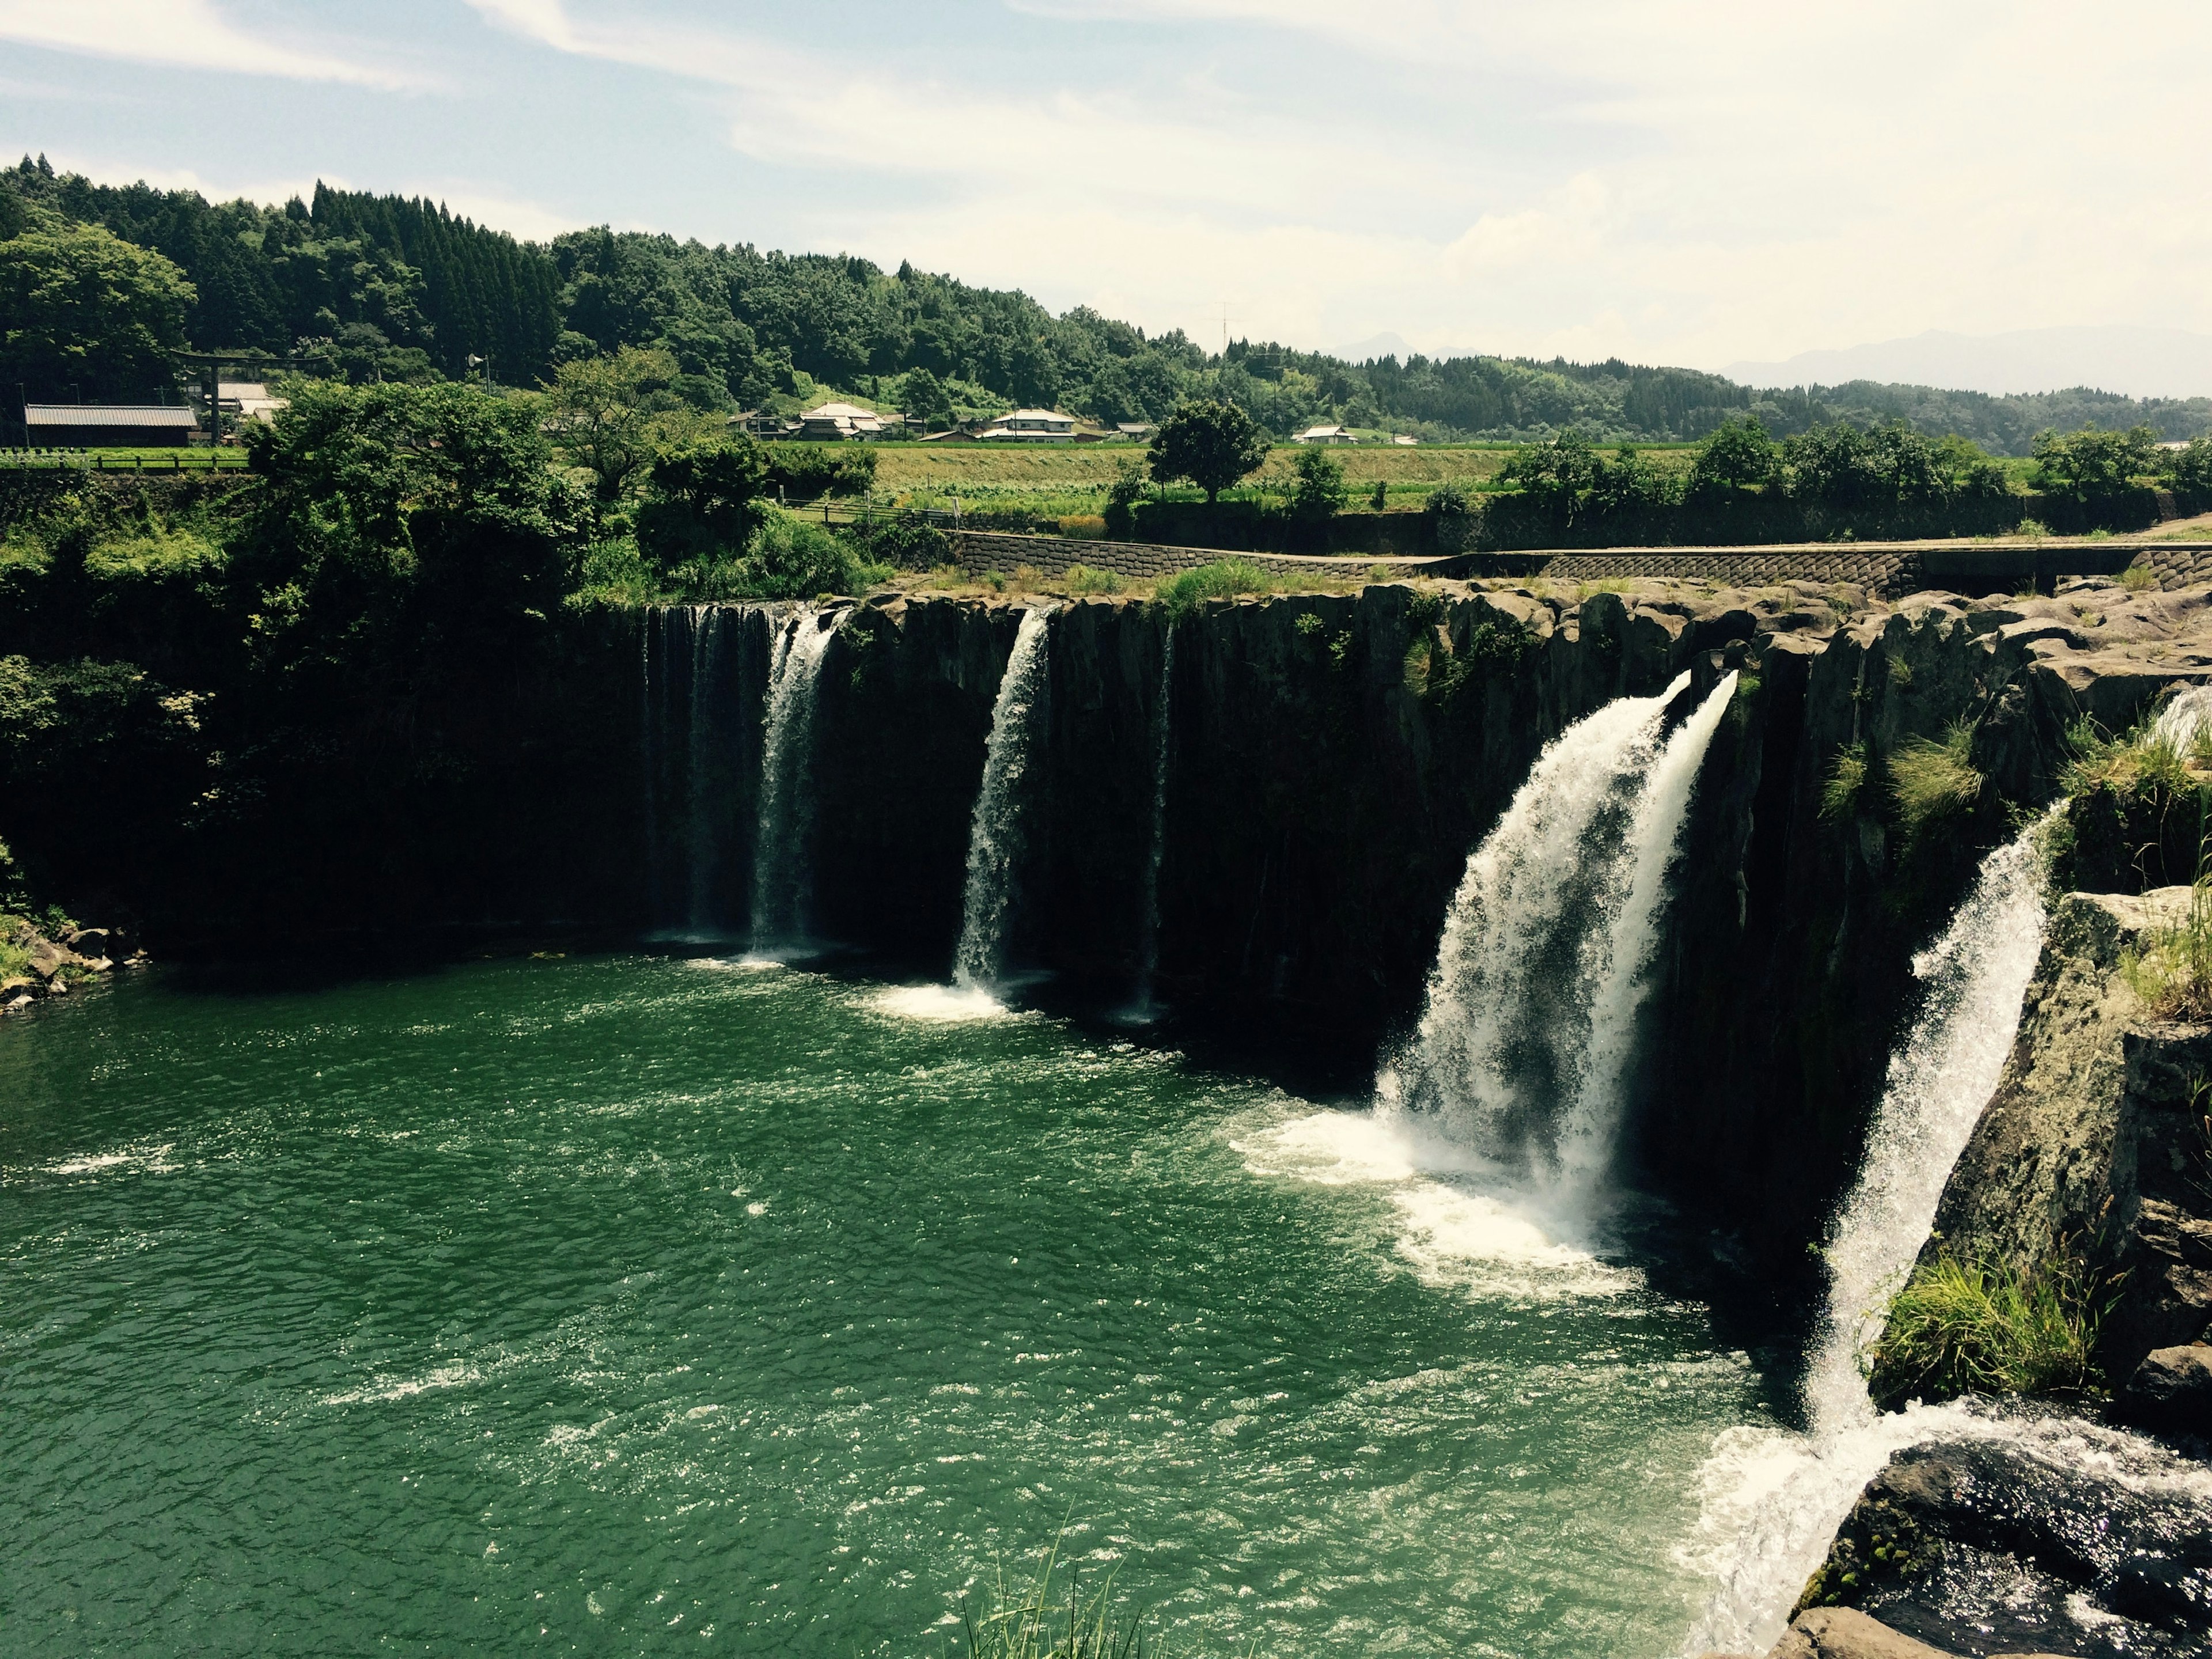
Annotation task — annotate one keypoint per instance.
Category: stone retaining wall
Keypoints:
(1885, 574)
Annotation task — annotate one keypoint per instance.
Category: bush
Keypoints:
(1185, 591)
(701, 501)
(1981, 1327)
(1317, 487)
(1932, 782)
(2138, 578)
(807, 472)
(1081, 579)
(794, 558)
(1839, 794)
(2090, 465)
(905, 544)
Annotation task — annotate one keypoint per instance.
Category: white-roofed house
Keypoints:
(838, 423)
(1036, 426)
(1324, 434)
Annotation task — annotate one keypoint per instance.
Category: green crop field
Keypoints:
(167, 459)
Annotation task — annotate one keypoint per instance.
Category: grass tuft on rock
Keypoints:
(1980, 1327)
(1186, 590)
(1932, 782)
(1839, 794)
(2172, 972)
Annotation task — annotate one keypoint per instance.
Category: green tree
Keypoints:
(923, 394)
(1844, 469)
(2190, 470)
(1317, 486)
(1629, 484)
(1211, 444)
(1555, 474)
(794, 558)
(612, 414)
(702, 500)
(2091, 465)
(78, 306)
(1738, 456)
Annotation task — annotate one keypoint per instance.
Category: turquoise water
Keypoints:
(642, 1305)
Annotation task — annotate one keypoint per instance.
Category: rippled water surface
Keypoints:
(640, 1304)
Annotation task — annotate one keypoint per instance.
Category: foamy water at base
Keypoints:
(641, 1304)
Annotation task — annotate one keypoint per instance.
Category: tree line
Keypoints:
(393, 288)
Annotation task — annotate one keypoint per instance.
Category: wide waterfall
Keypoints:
(1773, 1502)
(995, 830)
(783, 873)
(1541, 974)
(1141, 1008)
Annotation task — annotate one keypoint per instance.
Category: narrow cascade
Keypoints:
(783, 875)
(995, 833)
(1773, 1502)
(1148, 953)
(1529, 944)
(1939, 1081)
(706, 641)
(1654, 842)
(649, 753)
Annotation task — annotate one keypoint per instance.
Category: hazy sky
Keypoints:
(1691, 181)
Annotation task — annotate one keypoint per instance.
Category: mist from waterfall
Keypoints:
(1773, 1500)
(783, 874)
(995, 830)
(1142, 1009)
(1541, 973)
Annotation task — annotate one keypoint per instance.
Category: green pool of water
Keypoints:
(643, 1304)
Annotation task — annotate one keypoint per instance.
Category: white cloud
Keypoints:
(184, 33)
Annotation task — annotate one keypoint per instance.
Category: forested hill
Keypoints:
(396, 289)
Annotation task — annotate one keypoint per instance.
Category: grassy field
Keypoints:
(1074, 478)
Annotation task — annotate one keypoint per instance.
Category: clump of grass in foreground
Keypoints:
(2138, 578)
(1037, 1624)
(2140, 762)
(1981, 1327)
(1185, 591)
(1931, 781)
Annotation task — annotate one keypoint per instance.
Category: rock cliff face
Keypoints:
(1333, 758)
(2095, 1144)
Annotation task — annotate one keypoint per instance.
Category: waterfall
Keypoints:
(705, 842)
(1654, 842)
(1528, 958)
(995, 832)
(648, 731)
(783, 875)
(1773, 1501)
(1148, 952)
(1939, 1081)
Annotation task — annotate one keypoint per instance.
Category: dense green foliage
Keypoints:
(1982, 1328)
(82, 311)
(397, 288)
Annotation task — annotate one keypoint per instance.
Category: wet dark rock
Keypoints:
(2077, 1543)
(2170, 1393)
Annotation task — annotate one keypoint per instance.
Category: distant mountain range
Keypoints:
(2135, 362)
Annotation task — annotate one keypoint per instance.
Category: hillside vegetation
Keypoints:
(386, 288)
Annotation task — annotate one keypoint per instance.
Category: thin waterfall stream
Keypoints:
(783, 876)
(1142, 1010)
(1773, 1500)
(995, 832)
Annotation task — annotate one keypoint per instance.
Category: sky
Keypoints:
(1683, 181)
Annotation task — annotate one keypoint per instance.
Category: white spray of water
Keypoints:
(1771, 1501)
(782, 873)
(1148, 955)
(2185, 719)
(1655, 836)
(995, 832)
(1504, 1006)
